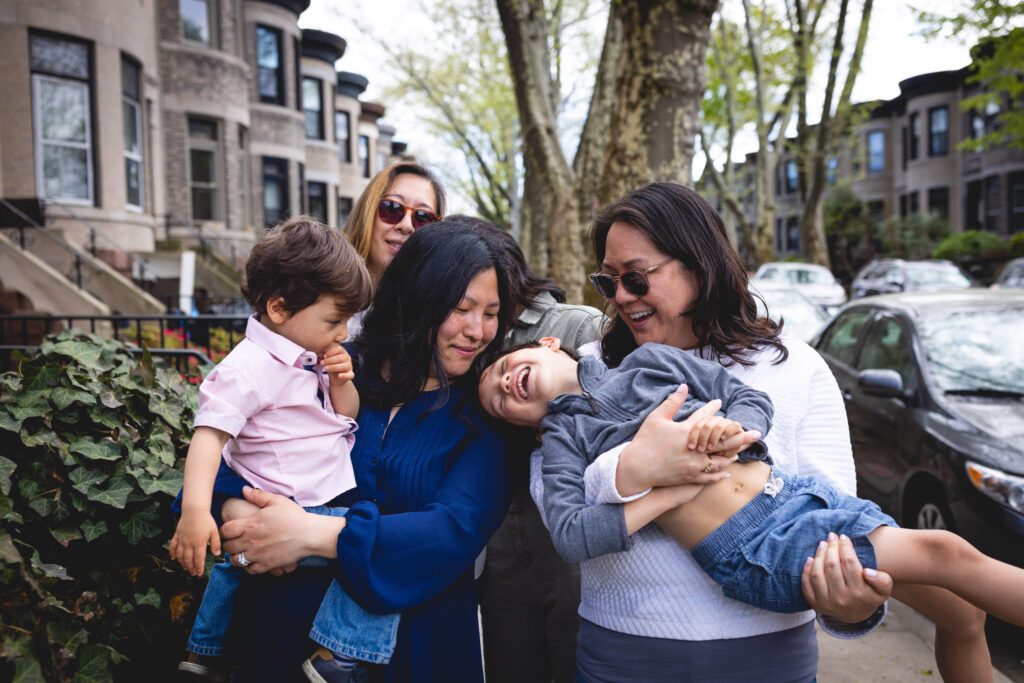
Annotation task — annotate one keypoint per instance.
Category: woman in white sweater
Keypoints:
(670, 276)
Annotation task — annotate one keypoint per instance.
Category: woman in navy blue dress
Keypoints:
(432, 478)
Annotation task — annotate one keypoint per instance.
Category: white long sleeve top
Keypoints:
(656, 589)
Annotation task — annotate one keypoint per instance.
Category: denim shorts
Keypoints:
(758, 554)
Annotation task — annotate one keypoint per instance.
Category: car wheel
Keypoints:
(928, 510)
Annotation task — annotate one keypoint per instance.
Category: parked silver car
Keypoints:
(780, 301)
(813, 281)
(890, 275)
(1011, 276)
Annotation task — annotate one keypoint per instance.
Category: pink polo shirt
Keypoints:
(284, 441)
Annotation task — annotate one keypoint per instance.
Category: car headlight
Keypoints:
(1001, 487)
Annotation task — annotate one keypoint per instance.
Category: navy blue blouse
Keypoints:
(431, 489)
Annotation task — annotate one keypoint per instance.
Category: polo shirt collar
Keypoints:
(285, 350)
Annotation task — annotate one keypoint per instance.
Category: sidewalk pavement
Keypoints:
(901, 650)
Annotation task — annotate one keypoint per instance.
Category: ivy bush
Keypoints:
(92, 445)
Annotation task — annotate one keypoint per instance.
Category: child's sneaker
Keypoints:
(202, 668)
(322, 667)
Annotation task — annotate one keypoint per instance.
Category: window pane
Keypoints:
(876, 151)
(195, 20)
(311, 94)
(341, 135)
(62, 57)
(205, 130)
(273, 197)
(364, 155)
(203, 203)
(202, 166)
(267, 48)
(66, 172)
(268, 83)
(64, 110)
(133, 182)
(130, 79)
(130, 114)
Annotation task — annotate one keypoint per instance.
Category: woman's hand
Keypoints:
(837, 586)
(280, 534)
(659, 454)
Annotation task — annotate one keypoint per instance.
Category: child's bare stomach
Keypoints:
(691, 522)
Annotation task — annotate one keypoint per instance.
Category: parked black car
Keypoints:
(890, 275)
(934, 389)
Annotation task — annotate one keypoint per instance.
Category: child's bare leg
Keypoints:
(941, 558)
(237, 508)
(961, 651)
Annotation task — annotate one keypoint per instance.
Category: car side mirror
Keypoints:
(881, 383)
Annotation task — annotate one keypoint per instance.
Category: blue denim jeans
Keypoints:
(341, 625)
(757, 556)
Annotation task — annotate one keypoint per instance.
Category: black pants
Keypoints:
(529, 602)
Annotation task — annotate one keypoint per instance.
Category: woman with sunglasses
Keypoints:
(671, 276)
(399, 200)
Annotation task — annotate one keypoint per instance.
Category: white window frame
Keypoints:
(40, 142)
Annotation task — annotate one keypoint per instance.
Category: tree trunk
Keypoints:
(656, 108)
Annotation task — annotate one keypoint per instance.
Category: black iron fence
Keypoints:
(202, 338)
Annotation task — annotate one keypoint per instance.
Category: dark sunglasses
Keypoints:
(392, 213)
(635, 281)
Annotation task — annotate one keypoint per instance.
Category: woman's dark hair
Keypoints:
(683, 225)
(524, 285)
(428, 277)
(300, 260)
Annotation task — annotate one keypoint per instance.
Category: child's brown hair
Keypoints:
(300, 260)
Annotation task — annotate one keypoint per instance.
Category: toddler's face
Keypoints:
(517, 387)
(318, 328)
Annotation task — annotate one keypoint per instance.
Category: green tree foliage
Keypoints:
(848, 230)
(91, 451)
(997, 63)
(914, 236)
(978, 251)
(1015, 247)
(462, 90)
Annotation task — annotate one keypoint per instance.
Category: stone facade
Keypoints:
(198, 100)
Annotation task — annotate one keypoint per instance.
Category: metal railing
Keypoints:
(165, 332)
(139, 263)
(80, 259)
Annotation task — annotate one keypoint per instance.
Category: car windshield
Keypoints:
(935, 276)
(973, 351)
(809, 277)
(789, 304)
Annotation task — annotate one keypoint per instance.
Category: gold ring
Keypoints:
(710, 465)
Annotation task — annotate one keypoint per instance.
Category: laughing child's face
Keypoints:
(516, 388)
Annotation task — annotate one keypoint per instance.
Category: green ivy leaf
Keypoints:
(93, 666)
(140, 526)
(17, 646)
(63, 397)
(85, 353)
(30, 405)
(8, 552)
(53, 571)
(85, 480)
(115, 495)
(167, 407)
(105, 417)
(169, 482)
(40, 377)
(109, 398)
(66, 635)
(103, 449)
(42, 505)
(9, 423)
(27, 671)
(150, 598)
(43, 437)
(145, 370)
(7, 467)
(92, 529)
(65, 535)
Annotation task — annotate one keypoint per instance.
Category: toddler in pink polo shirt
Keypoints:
(279, 410)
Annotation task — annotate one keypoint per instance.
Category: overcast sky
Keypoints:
(894, 50)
